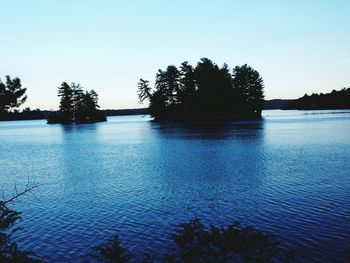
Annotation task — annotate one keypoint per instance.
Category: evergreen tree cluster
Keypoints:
(206, 91)
(333, 100)
(76, 106)
(12, 95)
(195, 242)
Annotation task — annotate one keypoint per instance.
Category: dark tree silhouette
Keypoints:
(86, 106)
(9, 250)
(158, 104)
(144, 90)
(76, 106)
(111, 252)
(250, 89)
(206, 74)
(167, 83)
(77, 95)
(194, 242)
(204, 92)
(12, 95)
(66, 94)
(187, 89)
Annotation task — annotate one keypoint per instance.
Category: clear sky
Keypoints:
(298, 46)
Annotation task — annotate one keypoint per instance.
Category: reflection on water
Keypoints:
(211, 130)
(288, 173)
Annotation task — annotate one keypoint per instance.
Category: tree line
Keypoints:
(25, 114)
(204, 92)
(333, 100)
(76, 106)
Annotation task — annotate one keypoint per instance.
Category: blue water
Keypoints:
(288, 174)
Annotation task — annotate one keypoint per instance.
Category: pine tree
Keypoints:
(250, 89)
(67, 102)
(12, 95)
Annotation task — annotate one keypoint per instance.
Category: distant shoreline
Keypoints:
(275, 104)
(43, 114)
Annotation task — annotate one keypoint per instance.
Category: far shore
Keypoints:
(276, 104)
(42, 114)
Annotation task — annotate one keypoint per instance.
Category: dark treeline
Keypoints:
(9, 250)
(206, 91)
(29, 114)
(276, 104)
(333, 100)
(25, 114)
(121, 112)
(37, 114)
(76, 106)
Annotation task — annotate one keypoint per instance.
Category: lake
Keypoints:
(288, 173)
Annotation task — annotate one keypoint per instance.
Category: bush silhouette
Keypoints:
(196, 243)
(9, 250)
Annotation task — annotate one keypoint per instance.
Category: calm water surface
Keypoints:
(288, 174)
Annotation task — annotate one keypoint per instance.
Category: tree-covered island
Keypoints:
(204, 92)
(76, 106)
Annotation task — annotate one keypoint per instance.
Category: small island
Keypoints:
(333, 100)
(204, 92)
(76, 106)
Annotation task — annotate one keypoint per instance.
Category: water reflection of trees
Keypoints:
(80, 146)
(218, 169)
(210, 130)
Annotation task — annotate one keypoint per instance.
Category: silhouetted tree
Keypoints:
(86, 106)
(144, 90)
(77, 95)
(66, 93)
(112, 252)
(196, 243)
(172, 75)
(167, 83)
(225, 92)
(206, 73)
(12, 95)
(250, 89)
(9, 250)
(187, 89)
(158, 104)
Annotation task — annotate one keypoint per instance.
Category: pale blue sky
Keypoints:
(298, 46)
